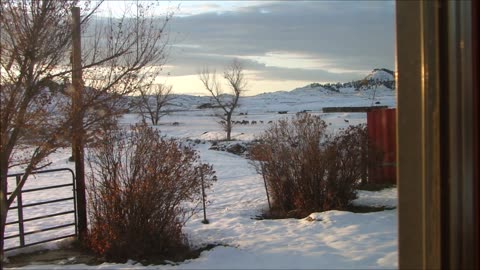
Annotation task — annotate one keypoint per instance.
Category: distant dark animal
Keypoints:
(270, 122)
(304, 111)
(346, 121)
(282, 112)
(245, 122)
(175, 124)
(378, 102)
(241, 113)
(253, 122)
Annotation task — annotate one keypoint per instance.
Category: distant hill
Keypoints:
(378, 77)
(381, 74)
(380, 80)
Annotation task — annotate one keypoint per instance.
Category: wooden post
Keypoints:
(21, 227)
(205, 220)
(77, 124)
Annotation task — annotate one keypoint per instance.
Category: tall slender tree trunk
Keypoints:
(78, 132)
(2, 231)
(229, 126)
(3, 220)
(3, 205)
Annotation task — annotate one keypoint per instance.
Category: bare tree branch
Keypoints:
(35, 43)
(152, 101)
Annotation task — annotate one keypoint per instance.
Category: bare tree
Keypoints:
(227, 103)
(36, 39)
(152, 102)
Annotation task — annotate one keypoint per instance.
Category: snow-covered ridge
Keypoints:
(376, 87)
(297, 100)
(381, 74)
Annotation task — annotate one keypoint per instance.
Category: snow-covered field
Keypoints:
(332, 239)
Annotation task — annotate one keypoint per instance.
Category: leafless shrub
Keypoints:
(306, 168)
(140, 185)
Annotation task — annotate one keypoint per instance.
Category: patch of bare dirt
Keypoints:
(65, 256)
(76, 255)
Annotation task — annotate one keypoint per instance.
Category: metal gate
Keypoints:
(23, 218)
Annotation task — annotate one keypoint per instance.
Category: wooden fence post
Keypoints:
(77, 124)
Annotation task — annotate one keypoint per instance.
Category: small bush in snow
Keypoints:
(143, 188)
(308, 170)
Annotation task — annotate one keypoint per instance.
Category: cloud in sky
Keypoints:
(297, 41)
(308, 41)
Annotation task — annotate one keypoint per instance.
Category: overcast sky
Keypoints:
(282, 44)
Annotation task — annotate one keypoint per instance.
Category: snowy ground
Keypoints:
(332, 239)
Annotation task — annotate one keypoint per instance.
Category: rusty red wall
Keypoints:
(381, 125)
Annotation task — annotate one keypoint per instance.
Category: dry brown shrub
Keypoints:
(143, 188)
(307, 169)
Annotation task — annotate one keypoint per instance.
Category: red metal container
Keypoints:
(381, 125)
